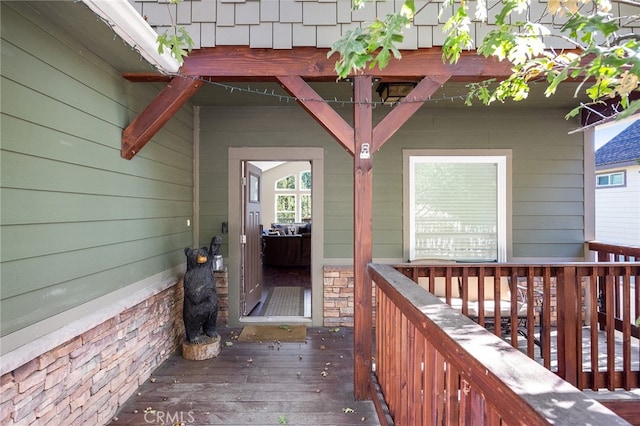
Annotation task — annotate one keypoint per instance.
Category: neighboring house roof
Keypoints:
(623, 148)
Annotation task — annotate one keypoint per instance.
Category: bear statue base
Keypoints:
(208, 348)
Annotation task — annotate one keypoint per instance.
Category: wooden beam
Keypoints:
(363, 236)
(310, 63)
(290, 67)
(156, 114)
(401, 113)
(322, 112)
(146, 77)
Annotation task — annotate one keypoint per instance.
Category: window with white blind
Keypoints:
(457, 207)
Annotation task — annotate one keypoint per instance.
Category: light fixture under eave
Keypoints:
(135, 31)
(391, 93)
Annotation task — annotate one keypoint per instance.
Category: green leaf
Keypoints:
(497, 43)
(632, 108)
(457, 30)
(598, 23)
(179, 43)
(559, 78)
(574, 112)
(604, 53)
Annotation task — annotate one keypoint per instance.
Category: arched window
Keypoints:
(293, 198)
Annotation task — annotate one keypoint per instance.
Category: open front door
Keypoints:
(251, 291)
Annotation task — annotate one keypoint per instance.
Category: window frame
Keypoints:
(622, 173)
(503, 160)
(278, 212)
(298, 192)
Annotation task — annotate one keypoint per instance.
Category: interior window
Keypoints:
(293, 198)
(285, 208)
(305, 180)
(288, 182)
(457, 208)
(305, 208)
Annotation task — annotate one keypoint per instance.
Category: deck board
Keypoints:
(255, 384)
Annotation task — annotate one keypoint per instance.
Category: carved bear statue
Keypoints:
(200, 310)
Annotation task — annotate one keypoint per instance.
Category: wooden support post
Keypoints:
(363, 240)
(569, 331)
(361, 141)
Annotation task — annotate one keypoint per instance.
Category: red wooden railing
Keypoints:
(620, 302)
(614, 253)
(435, 366)
(563, 313)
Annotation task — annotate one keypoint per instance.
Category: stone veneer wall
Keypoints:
(338, 296)
(222, 287)
(86, 379)
(339, 299)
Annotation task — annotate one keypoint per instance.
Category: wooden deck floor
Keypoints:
(265, 383)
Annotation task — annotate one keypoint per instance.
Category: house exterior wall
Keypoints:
(617, 219)
(283, 24)
(84, 379)
(78, 221)
(548, 200)
(92, 244)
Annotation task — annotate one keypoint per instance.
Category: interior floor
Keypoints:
(274, 277)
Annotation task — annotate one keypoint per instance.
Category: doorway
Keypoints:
(290, 235)
(285, 240)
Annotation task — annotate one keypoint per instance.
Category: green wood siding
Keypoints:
(547, 176)
(77, 220)
(224, 127)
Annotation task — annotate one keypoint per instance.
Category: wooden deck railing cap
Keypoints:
(523, 388)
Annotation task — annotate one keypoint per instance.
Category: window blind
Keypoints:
(454, 210)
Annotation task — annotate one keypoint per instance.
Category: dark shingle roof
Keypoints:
(623, 147)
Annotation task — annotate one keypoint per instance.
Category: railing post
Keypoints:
(569, 330)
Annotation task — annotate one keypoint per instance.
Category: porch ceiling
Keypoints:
(91, 34)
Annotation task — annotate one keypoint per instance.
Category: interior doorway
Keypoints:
(291, 235)
(285, 240)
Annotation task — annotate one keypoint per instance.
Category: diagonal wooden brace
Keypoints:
(320, 110)
(402, 112)
(156, 114)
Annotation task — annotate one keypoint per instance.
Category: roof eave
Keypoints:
(617, 164)
(134, 30)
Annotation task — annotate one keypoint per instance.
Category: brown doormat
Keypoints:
(272, 333)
